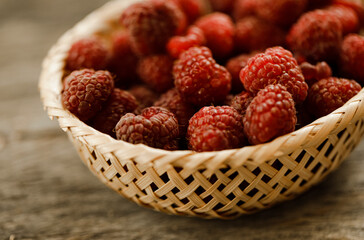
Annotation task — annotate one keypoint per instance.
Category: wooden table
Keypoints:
(47, 193)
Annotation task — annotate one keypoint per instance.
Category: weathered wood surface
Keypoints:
(47, 193)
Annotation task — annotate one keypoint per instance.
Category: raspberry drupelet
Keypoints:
(156, 72)
(88, 53)
(215, 128)
(156, 127)
(85, 91)
(120, 102)
(199, 79)
(275, 65)
(329, 94)
(271, 114)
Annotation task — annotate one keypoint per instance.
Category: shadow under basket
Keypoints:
(223, 184)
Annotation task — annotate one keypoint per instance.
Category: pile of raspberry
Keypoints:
(209, 75)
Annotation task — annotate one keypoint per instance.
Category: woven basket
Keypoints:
(222, 184)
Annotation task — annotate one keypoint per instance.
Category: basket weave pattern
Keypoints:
(221, 184)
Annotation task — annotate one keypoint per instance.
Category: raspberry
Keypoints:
(234, 66)
(222, 5)
(316, 35)
(280, 12)
(218, 29)
(241, 102)
(156, 72)
(313, 73)
(243, 8)
(151, 24)
(352, 57)
(120, 102)
(215, 128)
(253, 33)
(271, 114)
(178, 44)
(145, 96)
(155, 127)
(183, 111)
(276, 65)
(87, 53)
(347, 16)
(194, 8)
(356, 5)
(329, 94)
(199, 79)
(123, 62)
(85, 91)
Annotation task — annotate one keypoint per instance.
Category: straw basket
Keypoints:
(222, 184)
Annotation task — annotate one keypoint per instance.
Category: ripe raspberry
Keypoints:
(219, 31)
(313, 73)
(87, 53)
(253, 33)
(123, 61)
(347, 16)
(120, 102)
(243, 8)
(241, 102)
(280, 12)
(234, 66)
(356, 5)
(151, 24)
(329, 94)
(156, 72)
(155, 127)
(144, 95)
(199, 79)
(194, 8)
(85, 91)
(276, 65)
(352, 57)
(271, 114)
(215, 128)
(183, 111)
(222, 5)
(316, 35)
(178, 44)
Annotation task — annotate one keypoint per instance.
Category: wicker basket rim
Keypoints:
(50, 87)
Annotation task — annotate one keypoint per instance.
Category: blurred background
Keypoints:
(47, 193)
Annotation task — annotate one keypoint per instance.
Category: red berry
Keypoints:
(241, 102)
(234, 66)
(313, 73)
(280, 12)
(123, 62)
(329, 94)
(151, 24)
(120, 102)
(356, 5)
(178, 44)
(352, 57)
(219, 31)
(316, 35)
(87, 53)
(199, 79)
(155, 127)
(144, 95)
(194, 8)
(85, 91)
(276, 65)
(244, 8)
(271, 114)
(253, 33)
(222, 5)
(347, 16)
(215, 128)
(183, 111)
(156, 72)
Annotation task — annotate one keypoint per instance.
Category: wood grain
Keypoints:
(47, 193)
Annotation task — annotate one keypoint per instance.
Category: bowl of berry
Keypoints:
(210, 108)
